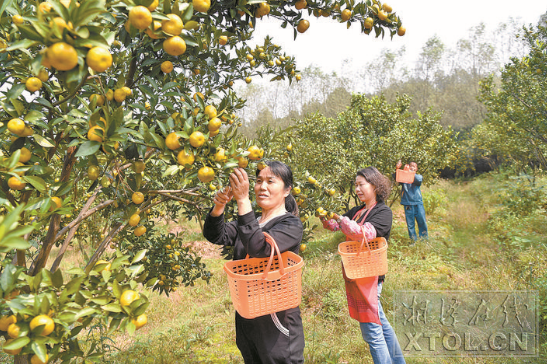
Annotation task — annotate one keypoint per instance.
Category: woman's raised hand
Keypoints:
(239, 181)
(222, 197)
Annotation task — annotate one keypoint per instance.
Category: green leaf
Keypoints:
(14, 243)
(88, 148)
(112, 307)
(34, 115)
(4, 5)
(15, 91)
(74, 285)
(85, 312)
(36, 182)
(170, 171)
(57, 279)
(17, 343)
(25, 43)
(138, 257)
(40, 350)
(43, 141)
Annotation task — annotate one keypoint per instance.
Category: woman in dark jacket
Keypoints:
(276, 338)
(363, 294)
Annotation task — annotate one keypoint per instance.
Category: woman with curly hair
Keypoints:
(363, 294)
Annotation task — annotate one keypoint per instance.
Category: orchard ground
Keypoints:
(466, 251)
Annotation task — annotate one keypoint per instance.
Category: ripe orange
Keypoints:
(99, 59)
(154, 5)
(248, 79)
(206, 174)
(102, 261)
(167, 67)
(44, 7)
(128, 297)
(346, 14)
(59, 22)
(220, 155)
(127, 90)
(11, 352)
(140, 17)
(301, 4)
(222, 40)
(25, 155)
(120, 95)
(242, 162)
(17, 19)
(296, 191)
(134, 220)
(139, 231)
(140, 321)
(5, 321)
(95, 133)
(99, 98)
(382, 15)
(33, 84)
(332, 192)
(197, 139)
(173, 26)
(183, 158)
(36, 360)
(27, 132)
(401, 31)
(369, 22)
(16, 184)
(302, 248)
(211, 111)
(57, 203)
(62, 56)
(137, 198)
(255, 153)
(263, 9)
(16, 126)
(214, 124)
(303, 25)
(312, 180)
(43, 320)
(172, 141)
(198, 94)
(201, 5)
(387, 8)
(109, 95)
(174, 46)
(93, 173)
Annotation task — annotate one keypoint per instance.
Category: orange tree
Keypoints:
(515, 127)
(113, 113)
(327, 152)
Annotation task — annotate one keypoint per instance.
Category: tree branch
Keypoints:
(75, 91)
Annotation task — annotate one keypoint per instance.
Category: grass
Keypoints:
(470, 248)
(196, 324)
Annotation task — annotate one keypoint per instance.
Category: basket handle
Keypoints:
(275, 249)
(365, 241)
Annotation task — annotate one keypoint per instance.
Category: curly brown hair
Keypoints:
(381, 183)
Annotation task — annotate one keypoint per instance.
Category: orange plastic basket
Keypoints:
(359, 263)
(403, 176)
(261, 286)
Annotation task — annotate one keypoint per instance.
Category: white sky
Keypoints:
(328, 43)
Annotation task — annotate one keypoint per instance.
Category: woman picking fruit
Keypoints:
(279, 337)
(373, 219)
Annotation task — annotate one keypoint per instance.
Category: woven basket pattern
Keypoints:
(367, 263)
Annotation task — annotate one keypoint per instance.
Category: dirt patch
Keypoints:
(204, 249)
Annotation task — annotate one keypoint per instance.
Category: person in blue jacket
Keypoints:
(412, 201)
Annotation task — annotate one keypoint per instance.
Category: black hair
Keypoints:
(381, 183)
(283, 171)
